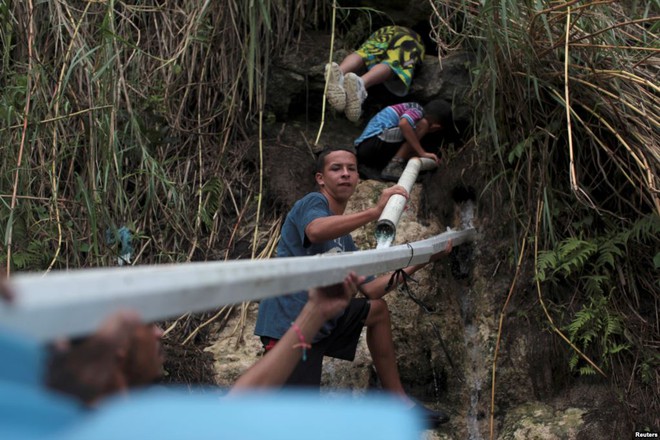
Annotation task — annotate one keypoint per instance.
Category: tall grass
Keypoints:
(132, 114)
(567, 104)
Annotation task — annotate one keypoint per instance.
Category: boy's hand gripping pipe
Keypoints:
(386, 226)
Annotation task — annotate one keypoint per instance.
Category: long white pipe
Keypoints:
(73, 303)
(386, 226)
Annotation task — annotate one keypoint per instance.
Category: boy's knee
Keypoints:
(378, 310)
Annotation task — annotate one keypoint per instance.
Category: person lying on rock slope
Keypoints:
(394, 134)
(389, 56)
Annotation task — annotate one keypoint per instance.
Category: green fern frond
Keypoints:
(618, 348)
(546, 263)
(546, 260)
(23, 260)
(594, 284)
(582, 318)
(587, 337)
(212, 196)
(607, 253)
(612, 326)
(587, 370)
(571, 245)
(644, 229)
(575, 253)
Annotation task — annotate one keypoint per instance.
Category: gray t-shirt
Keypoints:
(276, 314)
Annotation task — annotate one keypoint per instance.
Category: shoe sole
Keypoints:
(353, 105)
(336, 94)
(392, 174)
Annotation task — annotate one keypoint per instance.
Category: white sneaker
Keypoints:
(335, 94)
(355, 96)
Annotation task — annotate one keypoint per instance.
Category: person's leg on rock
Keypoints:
(381, 347)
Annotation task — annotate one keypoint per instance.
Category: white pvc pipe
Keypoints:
(386, 226)
(73, 303)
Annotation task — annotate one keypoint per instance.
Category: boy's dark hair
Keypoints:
(86, 371)
(320, 161)
(438, 111)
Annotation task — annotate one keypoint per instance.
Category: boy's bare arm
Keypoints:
(413, 136)
(335, 226)
(275, 367)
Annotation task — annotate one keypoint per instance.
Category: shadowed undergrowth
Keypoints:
(566, 111)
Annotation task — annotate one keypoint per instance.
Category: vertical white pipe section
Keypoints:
(386, 226)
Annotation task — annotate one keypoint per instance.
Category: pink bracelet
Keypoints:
(302, 344)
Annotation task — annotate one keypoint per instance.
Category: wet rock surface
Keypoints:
(536, 420)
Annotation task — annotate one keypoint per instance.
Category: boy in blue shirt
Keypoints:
(393, 136)
(317, 224)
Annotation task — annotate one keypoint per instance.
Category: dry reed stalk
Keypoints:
(579, 192)
(26, 113)
(197, 329)
(327, 75)
(172, 326)
(261, 183)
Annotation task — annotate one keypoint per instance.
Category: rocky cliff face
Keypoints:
(445, 353)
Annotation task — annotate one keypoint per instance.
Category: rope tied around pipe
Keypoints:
(400, 278)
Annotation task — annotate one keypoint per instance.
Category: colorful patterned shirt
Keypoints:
(385, 124)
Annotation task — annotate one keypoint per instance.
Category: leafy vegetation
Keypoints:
(133, 114)
(566, 102)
